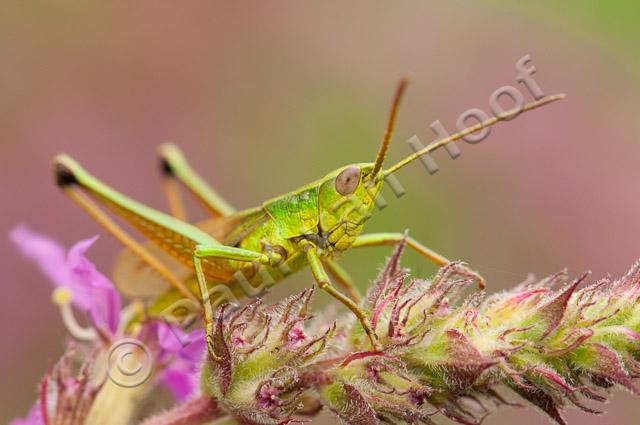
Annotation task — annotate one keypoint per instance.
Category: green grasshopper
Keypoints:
(310, 226)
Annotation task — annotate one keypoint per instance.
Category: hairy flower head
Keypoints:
(260, 355)
(548, 342)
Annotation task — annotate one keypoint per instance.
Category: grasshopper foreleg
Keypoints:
(225, 253)
(321, 277)
(380, 239)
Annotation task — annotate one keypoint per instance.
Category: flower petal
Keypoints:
(45, 252)
(188, 346)
(33, 418)
(92, 291)
(181, 381)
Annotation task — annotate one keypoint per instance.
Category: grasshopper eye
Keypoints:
(348, 180)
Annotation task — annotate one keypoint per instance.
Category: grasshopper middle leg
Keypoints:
(343, 279)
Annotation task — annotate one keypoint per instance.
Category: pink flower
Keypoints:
(91, 291)
(33, 418)
(187, 350)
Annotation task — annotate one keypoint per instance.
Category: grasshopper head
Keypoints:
(346, 198)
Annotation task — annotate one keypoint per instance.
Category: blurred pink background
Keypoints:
(266, 97)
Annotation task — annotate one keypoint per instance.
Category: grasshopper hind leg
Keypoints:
(174, 236)
(175, 168)
(126, 240)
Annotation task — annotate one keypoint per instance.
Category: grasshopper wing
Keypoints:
(134, 278)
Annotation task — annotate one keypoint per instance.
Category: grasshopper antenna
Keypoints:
(512, 113)
(384, 146)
